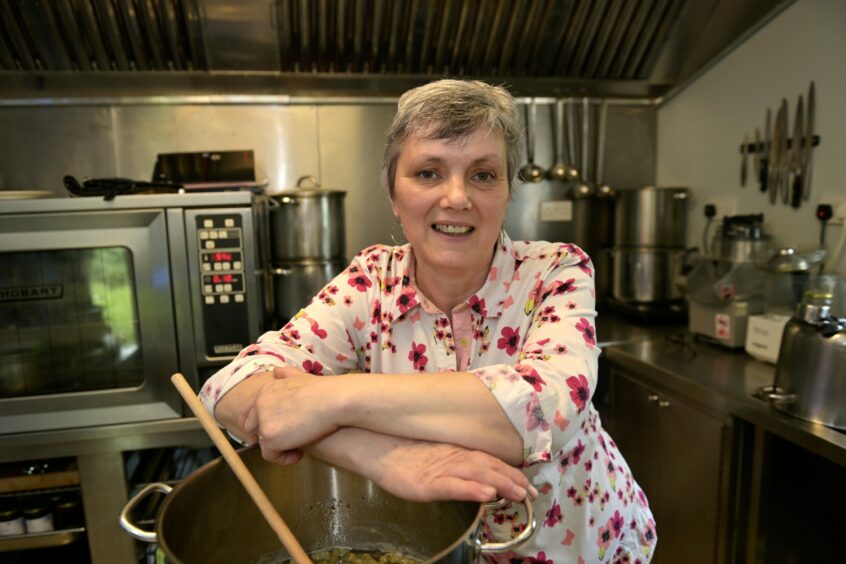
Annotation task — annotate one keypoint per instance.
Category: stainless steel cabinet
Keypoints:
(676, 453)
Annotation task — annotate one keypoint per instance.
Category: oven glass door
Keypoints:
(87, 332)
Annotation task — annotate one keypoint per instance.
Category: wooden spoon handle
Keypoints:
(273, 518)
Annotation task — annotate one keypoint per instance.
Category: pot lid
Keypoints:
(308, 186)
(796, 259)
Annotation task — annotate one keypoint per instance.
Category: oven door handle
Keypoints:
(125, 521)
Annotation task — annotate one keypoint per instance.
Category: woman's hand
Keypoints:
(423, 471)
(289, 412)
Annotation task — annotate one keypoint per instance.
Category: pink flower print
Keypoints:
(647, 535)
(617, 523)
(531, 376)
(568, 538)
(547, 314)
(376, 312)
(587, 331)
(577, 452)
(417, 356)
(558, 287)
(571, 305)
(358, 280)
(509, 340)
(540, 558)
(534, 415)
(612, 474)
(477, 305)
(553, 516)
(348, 301)
(407, 300)
(389, 283)
(315, 328)
(560, 421)
(603, 539)
(584, 265)
(313, 367)
(579, 391)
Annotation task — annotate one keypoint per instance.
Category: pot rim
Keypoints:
(162, 540)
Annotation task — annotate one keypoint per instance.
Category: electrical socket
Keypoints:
(726, 205)
(838, 205)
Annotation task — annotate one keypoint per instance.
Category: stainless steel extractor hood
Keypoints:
(544, 47)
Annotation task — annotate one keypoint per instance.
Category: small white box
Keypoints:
(763, 336)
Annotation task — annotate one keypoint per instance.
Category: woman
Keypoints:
(475, 353)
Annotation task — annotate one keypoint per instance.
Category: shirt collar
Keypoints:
(403, 296)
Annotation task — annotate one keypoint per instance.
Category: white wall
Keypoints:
(700, 129)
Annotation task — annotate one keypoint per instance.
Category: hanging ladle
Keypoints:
(530, 172)
(602, 188)
(289, 541)
(560, 170)
(585, 189)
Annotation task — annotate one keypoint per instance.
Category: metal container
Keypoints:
(296, 283)
(307, 223)
(645, 275)
(209, 517)
(550, 211)
(810, 382)
(651, 217)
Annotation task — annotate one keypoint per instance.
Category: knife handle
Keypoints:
(762, 177)
(796, 192)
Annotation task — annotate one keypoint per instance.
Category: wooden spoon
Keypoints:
(289, 541)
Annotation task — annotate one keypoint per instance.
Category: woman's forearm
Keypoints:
(231, 410)
(453, 407)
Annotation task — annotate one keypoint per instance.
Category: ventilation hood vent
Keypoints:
(603, 46)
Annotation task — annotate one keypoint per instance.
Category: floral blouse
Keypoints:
(529, 335)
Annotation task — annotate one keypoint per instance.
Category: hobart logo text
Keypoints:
(21, 293)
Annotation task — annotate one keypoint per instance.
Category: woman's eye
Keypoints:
(427, 175)
(484, 176)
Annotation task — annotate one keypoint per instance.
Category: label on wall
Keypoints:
(556, 210)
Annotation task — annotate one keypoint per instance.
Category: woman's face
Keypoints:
(451, 197)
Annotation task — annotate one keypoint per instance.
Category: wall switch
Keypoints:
(726, 205)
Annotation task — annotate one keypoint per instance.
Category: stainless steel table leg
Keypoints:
(104, 494)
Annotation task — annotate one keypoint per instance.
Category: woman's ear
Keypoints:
(395, 210)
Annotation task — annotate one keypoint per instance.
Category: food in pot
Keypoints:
(348, 556)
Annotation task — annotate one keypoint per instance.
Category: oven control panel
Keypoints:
(222, 267)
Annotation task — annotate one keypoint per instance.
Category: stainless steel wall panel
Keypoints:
(351, 142)
(284, 138)
(38, 145)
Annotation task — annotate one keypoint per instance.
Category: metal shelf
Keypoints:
(40, 540)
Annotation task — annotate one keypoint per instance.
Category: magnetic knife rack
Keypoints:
(750, 148)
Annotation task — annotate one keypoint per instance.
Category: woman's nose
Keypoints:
(456, 195)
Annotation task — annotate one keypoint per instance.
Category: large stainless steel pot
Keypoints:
(651, 217)
(645, 275)
(307, 223)
(551, 211)
(209, 518)
(295, 284)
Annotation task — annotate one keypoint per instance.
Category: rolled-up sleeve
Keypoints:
(546, 392)
(317, 340)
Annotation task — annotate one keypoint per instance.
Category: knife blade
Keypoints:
(765, 168)
(744, 151)
(796, 156)
(772, 158)
(808, 149)
(756, 154)
(782, 153)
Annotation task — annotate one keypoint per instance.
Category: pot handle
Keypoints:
(775, 395)
(132, 528)
(525, 534)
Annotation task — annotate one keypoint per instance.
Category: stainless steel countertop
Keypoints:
(722, 381)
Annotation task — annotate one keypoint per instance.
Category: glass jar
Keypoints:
(11, 520)
(38, 517)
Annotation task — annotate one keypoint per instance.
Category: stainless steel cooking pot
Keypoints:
(296, 283)
(646, 275)
(651, 217)
(209, 518)
(307, 223)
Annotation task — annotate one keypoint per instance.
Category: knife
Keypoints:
(809, 144)
(756, 154)
(744, 151)
(796, 156)
(764, 171)
(772, 158)
(782, 153)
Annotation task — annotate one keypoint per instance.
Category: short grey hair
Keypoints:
(453, 110)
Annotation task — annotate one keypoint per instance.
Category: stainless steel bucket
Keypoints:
(307, 223)
(651, 217)
(209, 518)
(296, 283)
(646, 275)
